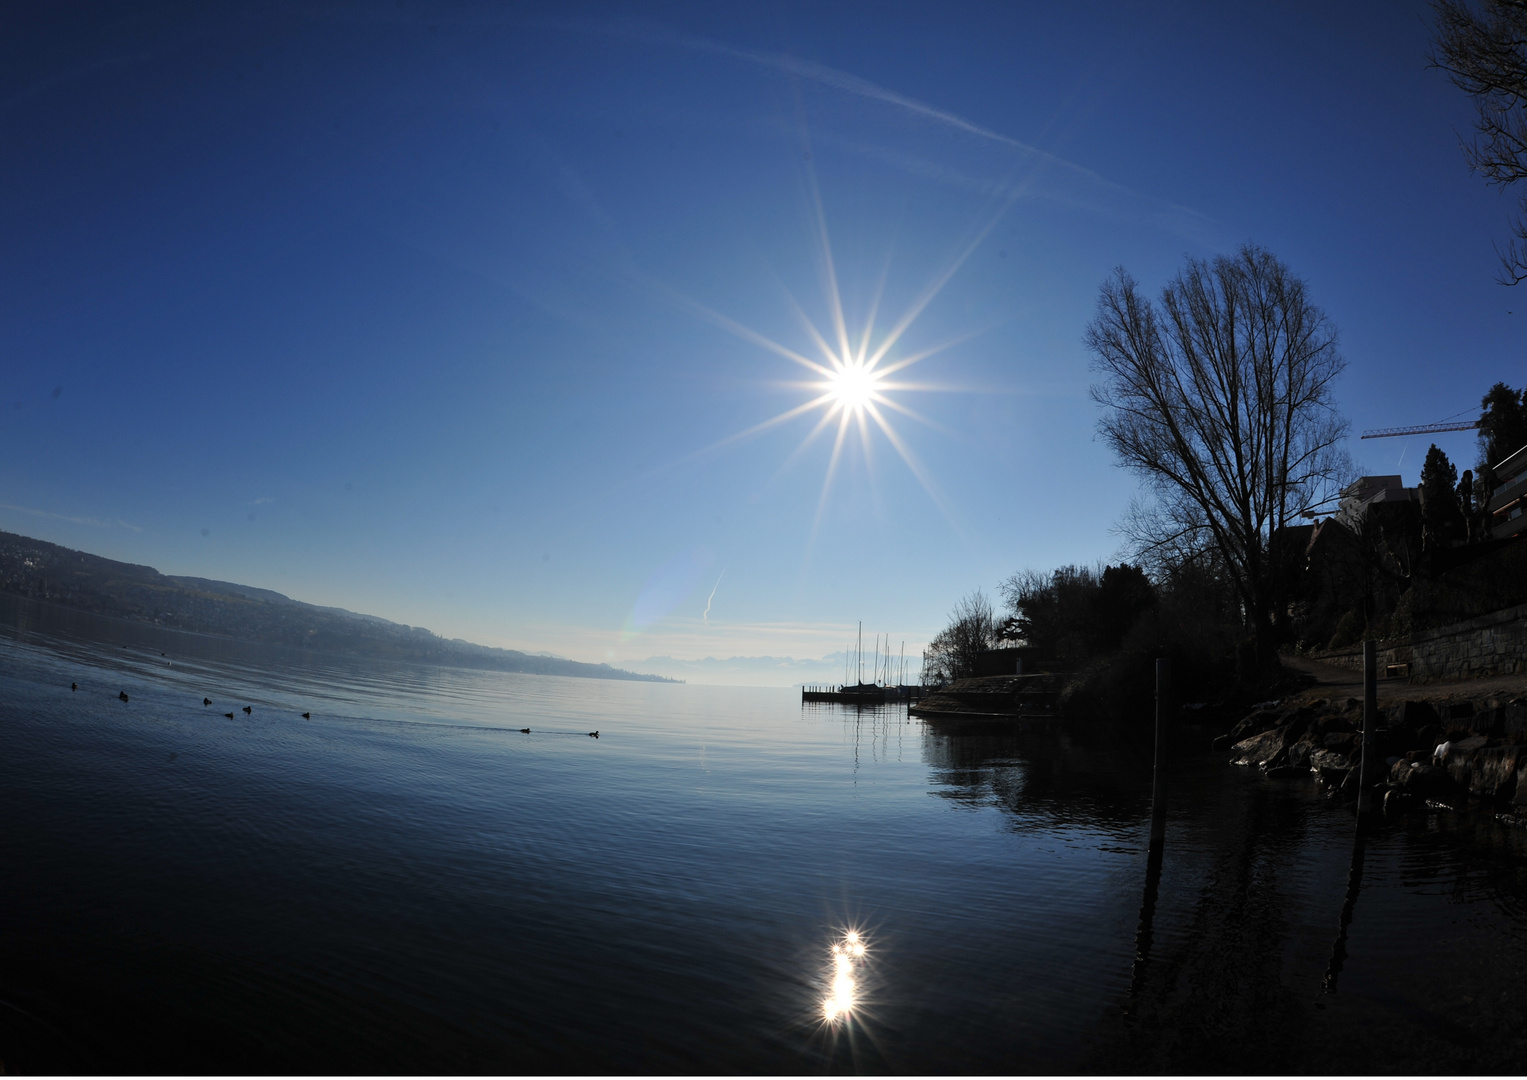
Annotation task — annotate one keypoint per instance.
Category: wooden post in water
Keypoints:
(1158, 777)
(1367, 771)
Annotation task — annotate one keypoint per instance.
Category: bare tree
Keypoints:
(955, 652)
(1220, 398)
(1485, 56)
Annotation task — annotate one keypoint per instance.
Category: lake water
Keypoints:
(408, 882)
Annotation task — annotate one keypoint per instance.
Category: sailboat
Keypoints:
(866, 691)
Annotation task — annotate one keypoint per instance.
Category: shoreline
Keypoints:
(1449, 746)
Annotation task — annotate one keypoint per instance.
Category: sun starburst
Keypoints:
(852, 387)
(851, 384)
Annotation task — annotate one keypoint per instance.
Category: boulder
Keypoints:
(1343, 742)
(1267, 750)
(1421, 779)
(1329, 766)
(1257, 721)
(1487, 771)
(1519, 798)
(1461, 720)
(1395, 741)
(1513, 722)
(1411, 714)
(1299, 753)
(1459, 748)
(1492, 772)
(1325, 724)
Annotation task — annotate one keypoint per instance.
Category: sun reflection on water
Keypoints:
(847, 954)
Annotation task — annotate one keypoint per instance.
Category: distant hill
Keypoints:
(43, 571)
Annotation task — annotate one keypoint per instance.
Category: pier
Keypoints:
(863, 694)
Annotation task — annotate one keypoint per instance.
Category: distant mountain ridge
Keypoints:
(59, 575)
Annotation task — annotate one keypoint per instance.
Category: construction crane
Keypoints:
(1421, 429)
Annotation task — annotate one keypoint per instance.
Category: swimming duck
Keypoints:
(307, 716)
(74, 686)
(229, 715)
(524, 731)
(247, 710)
(206, 701)
(123, 695)
(593, 734)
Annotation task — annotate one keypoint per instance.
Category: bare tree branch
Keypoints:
(1219, 397)
(1485, 56)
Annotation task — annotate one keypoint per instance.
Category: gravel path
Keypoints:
(1334, 681)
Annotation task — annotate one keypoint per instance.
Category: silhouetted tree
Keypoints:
(1075, 613)
(1440, 519)
(1468, 508)
(955, 651)
(1053, 612)
(1220, 398)
(1484, 52)
(1502, 428)
(1124, 594)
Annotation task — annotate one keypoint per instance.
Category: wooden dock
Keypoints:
(863, 694)
(993, 699)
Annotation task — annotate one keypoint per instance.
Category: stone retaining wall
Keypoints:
(1493, 644)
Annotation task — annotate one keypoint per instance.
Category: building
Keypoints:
(1362, 493)
(1510, 499)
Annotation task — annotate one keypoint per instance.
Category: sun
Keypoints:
(850, 384)
(852, 387)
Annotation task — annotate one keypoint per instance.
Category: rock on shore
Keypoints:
(1446, 751)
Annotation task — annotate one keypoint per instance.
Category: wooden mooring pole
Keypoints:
(1367, 773)
(1366, 769)
(1158, 777)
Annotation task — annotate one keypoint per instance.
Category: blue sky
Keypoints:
(452, 313)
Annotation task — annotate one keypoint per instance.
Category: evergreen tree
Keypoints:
(1468, 507)
(1440, 516)
(1502, 426)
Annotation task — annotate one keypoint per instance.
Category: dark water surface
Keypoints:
(407, 882)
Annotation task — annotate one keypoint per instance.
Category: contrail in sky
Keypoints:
(712, 596)
(844, 82)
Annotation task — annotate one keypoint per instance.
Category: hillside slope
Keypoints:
(77, 579)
